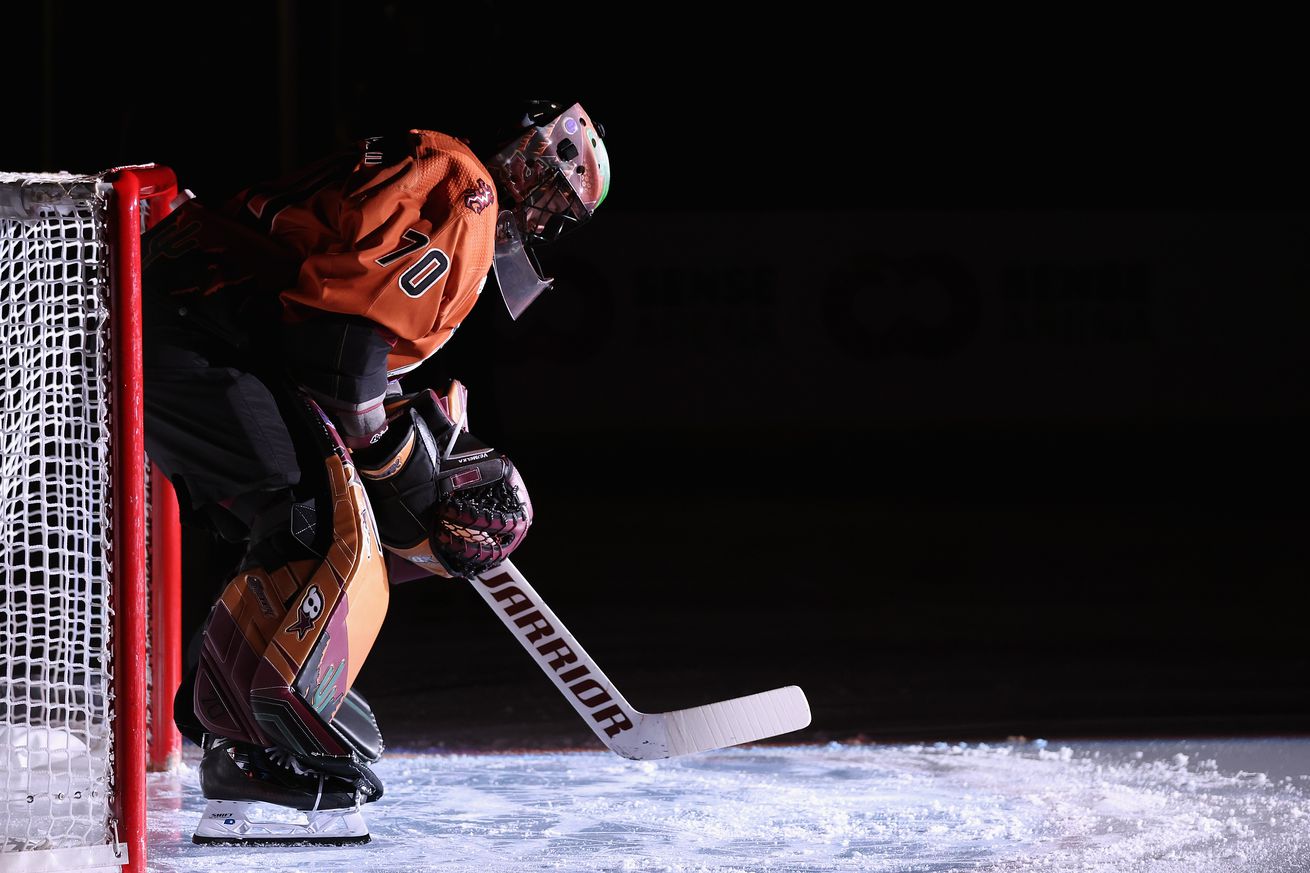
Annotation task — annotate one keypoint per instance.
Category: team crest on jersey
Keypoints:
(479, 197)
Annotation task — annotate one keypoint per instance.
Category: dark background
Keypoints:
(953, 370)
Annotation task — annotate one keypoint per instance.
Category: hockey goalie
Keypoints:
(278, 327)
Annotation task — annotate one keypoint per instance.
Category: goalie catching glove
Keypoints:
(443, 499)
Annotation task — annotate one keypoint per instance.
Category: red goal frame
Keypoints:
(147, 598)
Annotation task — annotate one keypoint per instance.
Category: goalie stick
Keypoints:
(625, 730)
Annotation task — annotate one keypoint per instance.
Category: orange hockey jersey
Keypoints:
(400, 231)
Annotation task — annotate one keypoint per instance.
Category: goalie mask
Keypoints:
(553, 176)
(444, 501)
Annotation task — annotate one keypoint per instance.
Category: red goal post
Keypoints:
(90, 596)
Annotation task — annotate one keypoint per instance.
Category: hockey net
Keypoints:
(73, 649)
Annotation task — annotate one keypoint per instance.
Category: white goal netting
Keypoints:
(55, 666)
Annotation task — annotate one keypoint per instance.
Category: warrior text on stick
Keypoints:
(539, 632)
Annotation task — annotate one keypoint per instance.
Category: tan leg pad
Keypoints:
(282, 648)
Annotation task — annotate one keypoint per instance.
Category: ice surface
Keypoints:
(1228, 805)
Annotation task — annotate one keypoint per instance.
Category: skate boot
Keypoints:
(272, 796)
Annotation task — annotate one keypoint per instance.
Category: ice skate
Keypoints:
(261, 797)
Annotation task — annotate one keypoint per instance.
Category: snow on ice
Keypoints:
(1164, 807)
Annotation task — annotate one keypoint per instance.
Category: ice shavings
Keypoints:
(935, 807)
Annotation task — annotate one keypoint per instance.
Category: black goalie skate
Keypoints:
(261, 796)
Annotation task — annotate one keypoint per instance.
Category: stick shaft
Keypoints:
(623, 729)
(559, 654)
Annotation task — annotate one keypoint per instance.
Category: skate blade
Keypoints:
(280, 841)
(241, 823)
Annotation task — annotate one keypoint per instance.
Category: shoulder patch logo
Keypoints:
(479, 197)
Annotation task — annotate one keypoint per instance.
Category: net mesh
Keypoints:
(55, 667)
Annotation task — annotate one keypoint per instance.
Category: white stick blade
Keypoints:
(736, 721)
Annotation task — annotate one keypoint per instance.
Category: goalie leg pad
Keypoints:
(282, 648)
(240, 627)
(355, 720)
